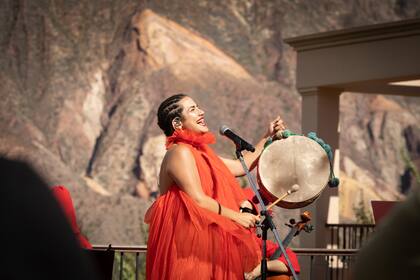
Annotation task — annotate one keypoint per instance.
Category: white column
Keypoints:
(320, 114)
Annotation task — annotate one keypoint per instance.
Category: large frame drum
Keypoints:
(296, 160)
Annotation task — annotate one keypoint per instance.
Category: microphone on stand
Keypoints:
(240, 143)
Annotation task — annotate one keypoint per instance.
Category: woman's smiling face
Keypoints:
(192, 116)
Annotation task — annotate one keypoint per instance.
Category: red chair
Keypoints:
(64, 199)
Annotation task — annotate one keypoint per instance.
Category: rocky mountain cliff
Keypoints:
(81, 81)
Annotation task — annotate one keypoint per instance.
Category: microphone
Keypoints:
(240, 143)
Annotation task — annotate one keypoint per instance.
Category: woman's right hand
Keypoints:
(246, 220)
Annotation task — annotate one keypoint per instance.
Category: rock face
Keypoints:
(81, 82)
(377, 149)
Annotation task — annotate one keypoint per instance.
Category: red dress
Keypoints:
(187, 241)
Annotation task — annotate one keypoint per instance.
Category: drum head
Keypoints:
(296, 160)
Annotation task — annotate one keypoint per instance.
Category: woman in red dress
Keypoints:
(196, 230)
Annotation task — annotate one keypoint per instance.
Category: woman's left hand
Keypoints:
(275, 126)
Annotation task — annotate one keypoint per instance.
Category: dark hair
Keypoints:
(168, 110)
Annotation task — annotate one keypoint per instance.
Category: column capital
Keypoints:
(312, 91)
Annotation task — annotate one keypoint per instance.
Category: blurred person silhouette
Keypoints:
(393, 252)
(37, 241)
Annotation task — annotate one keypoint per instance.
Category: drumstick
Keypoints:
(294, 188)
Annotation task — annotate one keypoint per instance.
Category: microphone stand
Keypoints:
(266, 224)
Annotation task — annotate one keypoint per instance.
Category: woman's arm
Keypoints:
(181, 167)
(250, 158)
